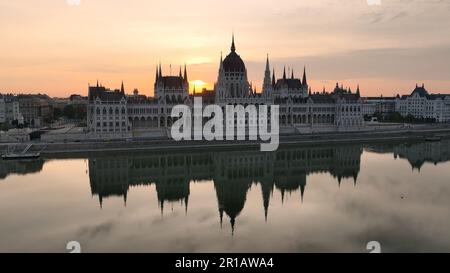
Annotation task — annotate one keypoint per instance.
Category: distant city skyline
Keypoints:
(57, 47)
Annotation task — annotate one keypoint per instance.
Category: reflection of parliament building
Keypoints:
(232, 172)
(425, 152)
(417, 154)
(20, 167)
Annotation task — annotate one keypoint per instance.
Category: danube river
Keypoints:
(298, 199)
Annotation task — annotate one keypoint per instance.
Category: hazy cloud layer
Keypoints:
(51, 45)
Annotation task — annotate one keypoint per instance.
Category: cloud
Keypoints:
(428, 63)
(101, 229)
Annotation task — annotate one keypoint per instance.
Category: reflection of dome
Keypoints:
(231, 196)
(233, 62)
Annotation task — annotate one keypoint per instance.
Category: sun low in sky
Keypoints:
(198, 86)
(59, 47)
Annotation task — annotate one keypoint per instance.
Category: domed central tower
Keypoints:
(232, 82)
(233, 62)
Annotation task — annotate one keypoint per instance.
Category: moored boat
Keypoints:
(12, 155)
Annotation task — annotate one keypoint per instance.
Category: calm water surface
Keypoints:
(316, 199)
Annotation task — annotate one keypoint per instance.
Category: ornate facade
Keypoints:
(107, 113)
(299, 106)
(421, 104)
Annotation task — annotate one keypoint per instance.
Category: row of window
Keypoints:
(110, 111)
(111, 117)
(136, 111)
(111, 124)
(351, 109)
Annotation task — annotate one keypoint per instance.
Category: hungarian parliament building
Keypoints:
(113, 113)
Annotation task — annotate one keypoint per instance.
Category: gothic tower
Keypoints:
(267, 85)
(232, 83)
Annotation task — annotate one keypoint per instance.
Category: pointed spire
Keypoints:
(122, 88)
(266, 189)
(284, 73)
(292, 76)
(179, 74)
(233, 46)
(97, 83)
(304, 82)
(157, 74)
(267, 84)
(273, 78)
(160, 71)
(221, 218)
(221, 63)
(266, 213)
(358, 92)
(302, 191)
(233, 223)
(185, 73)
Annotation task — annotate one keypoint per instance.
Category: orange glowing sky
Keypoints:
(52, 47)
